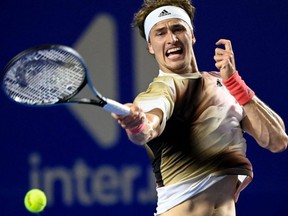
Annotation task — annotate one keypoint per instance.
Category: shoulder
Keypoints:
(161, 86)
(211, 74)
(168, 80)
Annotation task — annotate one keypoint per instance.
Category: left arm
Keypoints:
(261, 122)
(264, 125)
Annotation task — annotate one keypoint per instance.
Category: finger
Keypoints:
(227, 44)
(219, 51)
(222, 52)
(131, 124)
(222, 64)
(132, 121)
(228, 48)
(219, 57)
(114, 115)
(226, 56)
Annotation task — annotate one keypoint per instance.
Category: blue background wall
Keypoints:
(88, 170)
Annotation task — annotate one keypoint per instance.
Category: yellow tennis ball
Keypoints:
(35, 200)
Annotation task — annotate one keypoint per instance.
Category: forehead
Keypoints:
(168, 23)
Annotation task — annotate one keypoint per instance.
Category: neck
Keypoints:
(194, 64)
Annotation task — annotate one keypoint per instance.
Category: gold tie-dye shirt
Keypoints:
(201, 129)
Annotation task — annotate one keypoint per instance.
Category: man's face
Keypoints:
(171, 42)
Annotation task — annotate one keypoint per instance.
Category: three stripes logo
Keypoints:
(164, 13)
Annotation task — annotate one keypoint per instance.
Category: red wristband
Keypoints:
(237, 87)
(138, 129)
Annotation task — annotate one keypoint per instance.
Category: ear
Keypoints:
(193, 39)
(150, 48)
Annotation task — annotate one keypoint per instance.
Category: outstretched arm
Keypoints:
(141, 127)
(261, 122)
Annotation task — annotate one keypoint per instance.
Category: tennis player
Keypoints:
(192, 123)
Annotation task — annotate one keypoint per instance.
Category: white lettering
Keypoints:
(62, 176)
(130, 174)
(82, 173)
(105, 185)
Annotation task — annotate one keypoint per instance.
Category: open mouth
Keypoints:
(174, 51)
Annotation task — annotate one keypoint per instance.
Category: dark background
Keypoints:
(52, 143)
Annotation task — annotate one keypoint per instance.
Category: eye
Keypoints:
(179, 29)
(160, 33)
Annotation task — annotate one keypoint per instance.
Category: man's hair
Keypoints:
(150, 5)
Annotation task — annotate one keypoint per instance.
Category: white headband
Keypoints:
(163, 13)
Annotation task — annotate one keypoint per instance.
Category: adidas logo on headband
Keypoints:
(164, 13)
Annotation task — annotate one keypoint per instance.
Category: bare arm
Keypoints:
(265, 126)
(151, 124)
(261, 122)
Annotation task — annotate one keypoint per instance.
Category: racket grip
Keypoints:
(116, 107)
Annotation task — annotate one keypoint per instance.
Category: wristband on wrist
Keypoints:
(238, 88)
(137, 129)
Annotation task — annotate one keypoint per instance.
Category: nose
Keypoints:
(172, 38)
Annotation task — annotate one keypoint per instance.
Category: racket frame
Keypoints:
(99, 100)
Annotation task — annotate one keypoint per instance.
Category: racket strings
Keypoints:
(45, 77)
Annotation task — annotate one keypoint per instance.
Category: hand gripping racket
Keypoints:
(50, 75)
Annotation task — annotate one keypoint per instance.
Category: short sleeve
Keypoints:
(159, 95)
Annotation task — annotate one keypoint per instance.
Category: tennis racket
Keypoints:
(50, 75)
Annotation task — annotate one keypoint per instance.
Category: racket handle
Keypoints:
(116, 107)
